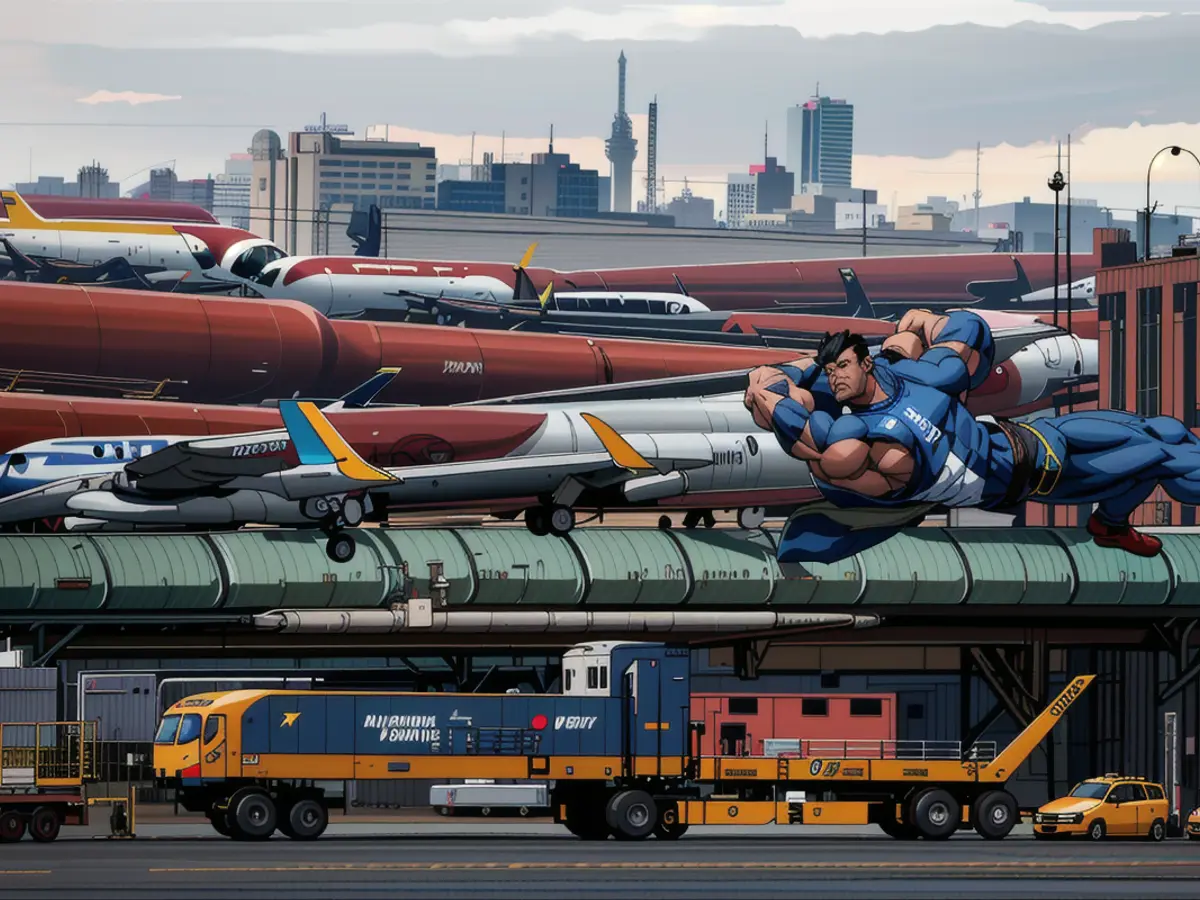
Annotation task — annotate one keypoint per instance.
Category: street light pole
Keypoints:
(1174, 150)
(1056, 183)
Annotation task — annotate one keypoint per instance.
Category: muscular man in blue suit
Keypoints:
(887, 439)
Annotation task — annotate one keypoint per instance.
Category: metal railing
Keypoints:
(503, 741)
(982, 751)
(35, 754)
(33, 381)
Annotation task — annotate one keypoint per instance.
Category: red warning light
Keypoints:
(539, 722)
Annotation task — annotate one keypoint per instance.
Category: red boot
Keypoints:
(1123, 537)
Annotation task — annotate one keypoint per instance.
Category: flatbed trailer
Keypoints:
(46, 769)
(617, 745)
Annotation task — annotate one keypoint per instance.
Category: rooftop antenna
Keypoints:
(472, 150)
(818, 93)
(551, 137)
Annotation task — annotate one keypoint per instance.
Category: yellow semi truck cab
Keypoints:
(1118, 805)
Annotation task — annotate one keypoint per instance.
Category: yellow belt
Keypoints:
(1050, 469)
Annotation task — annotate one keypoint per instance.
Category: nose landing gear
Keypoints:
(335, 514)
(557, 520)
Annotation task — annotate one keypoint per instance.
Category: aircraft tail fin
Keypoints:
(362, 395)
(16, 210)
(523, 287)
(859, 303)
(618, 448)
(318, 443)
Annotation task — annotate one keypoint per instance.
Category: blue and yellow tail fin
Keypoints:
(318, 443)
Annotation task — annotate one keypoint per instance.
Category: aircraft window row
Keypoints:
(632, 306)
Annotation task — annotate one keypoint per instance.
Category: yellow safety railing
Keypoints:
(47, 754)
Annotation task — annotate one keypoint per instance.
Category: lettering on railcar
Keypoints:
(574, 723)
(404, 729)
(832, 768)
(462, 367)
(916, 773)
(852, 773)
(741, 773)
(728, 458)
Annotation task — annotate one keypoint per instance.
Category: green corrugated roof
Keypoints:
(626, 568)
(419, 547)
(1108, 576)
(727, 569)
(515, 566)
(160, 572)
(1008, 566)
(36, 569)
(914, 568)
(277, 568)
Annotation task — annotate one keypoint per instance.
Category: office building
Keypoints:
(604, 193)
(774, 186)
(91, 181)
(820, 135)
(231, 191)
(740, 198)
(1029, 227)
(549, 185)
(164, 184)
(690, 211)
(319, 170)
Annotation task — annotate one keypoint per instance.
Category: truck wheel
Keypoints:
(583, 822)
(1158, 830)
(994, 814)
(12, 826)
(669, 828)
(219, 820)
(44, 824)
(340, 548)
(307, 820)
(442, 810)
(901, 831)
(936, 814)
(1097, 830)
(631, 815)
(252, 815)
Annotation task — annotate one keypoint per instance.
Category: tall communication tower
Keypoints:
(978, 195)
(621, 148)
(652, 158)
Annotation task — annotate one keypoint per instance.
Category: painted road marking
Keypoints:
(942, 865)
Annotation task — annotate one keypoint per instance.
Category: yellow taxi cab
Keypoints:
(1116, 805)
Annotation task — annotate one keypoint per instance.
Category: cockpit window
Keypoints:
(190, 729)
(205, 259)
(253, 260)
(266, 279)
(167, 730)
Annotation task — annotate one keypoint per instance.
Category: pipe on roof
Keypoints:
(389, 621)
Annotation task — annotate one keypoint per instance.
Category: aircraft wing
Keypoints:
(307, 447)
(617, 460)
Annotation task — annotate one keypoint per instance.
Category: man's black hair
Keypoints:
(834, 345)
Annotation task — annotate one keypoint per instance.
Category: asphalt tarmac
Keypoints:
(517, 861)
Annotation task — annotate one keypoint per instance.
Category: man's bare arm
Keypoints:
(959, 349)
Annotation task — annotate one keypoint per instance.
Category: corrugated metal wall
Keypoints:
(28, 695)
(123, 707)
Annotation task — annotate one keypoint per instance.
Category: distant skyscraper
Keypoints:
(621, 148)
(820, 136)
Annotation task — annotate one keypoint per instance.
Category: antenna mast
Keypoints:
(652, 157)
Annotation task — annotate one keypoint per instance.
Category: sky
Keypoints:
(136, 83)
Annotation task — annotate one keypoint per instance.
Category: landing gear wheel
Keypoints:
(664, 522)
(252, 815)
(1158, 831)
(537, 520)
(307, 820)
(315, 508)
(751, 517)
(561, 519)
(352, 511)
(340, 548)
(669, 828)
(994, 814)
(936, 814)
(631, 815)
(1097, 831)
(12, 826)
(44, 824)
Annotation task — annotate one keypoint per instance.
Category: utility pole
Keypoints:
(1070, 278)
(1056, 184)
(864, 206)
(978, 195)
